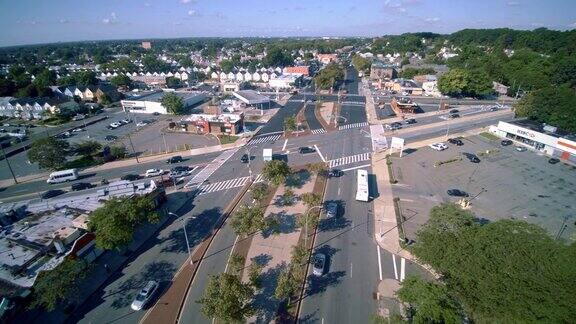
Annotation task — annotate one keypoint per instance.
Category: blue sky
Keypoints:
(45, 21)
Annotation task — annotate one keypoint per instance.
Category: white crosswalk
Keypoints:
(201, 176)
(353, 103)
(319, 131)
(357, 125)
(349, 160)
(258, 140)
(227, 184)
(296, 100)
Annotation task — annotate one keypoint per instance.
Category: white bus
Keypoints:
(362, 192)
(62, 176)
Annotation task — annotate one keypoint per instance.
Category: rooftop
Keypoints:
(157, 96)
(251, 97)
(230, 118)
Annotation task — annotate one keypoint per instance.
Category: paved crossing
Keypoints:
(353, 103)
(296, 100)
(318, 131)
(201, 176)
(349, 160)
(258, 140)
(227, 184)
(356, 125)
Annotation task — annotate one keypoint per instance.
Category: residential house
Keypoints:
(380, 70)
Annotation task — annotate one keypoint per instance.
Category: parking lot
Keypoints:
(507, 184)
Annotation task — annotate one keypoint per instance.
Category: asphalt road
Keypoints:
(276, 123)
(311, 119)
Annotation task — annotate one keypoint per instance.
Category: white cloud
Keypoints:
(513, 3)
(113, 15)
(106, 21)
(192, 13)
(147, 4)
(432, 19)
(572, 25)
(111, 20)
(63, 21)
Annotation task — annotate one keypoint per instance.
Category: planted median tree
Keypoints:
(290, 124)
(49, 152)
(227, 298)
(114, 223)
(276, 171)
(258, 192)
(248, 220)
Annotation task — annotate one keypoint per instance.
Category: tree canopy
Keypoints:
(276, 171)
(330, 76)
(360, 63)
(173, 103)
(247, 220)
(49, 152)
(227, 298)
(121, 80)
(553, 105)
(460, 82)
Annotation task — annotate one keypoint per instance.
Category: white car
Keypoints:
(144, 295)
(318, 264)
(142, 124)
(154, 172)
(438, 146)
(115, 125)
(77, 130)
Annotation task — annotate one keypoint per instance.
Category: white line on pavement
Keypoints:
(395, 268)
(357, 167)
(285, 142)
(319, 153)
(379, 262)
(351, 268)
(402, 268)
(231, 251)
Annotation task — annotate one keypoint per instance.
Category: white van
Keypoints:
(62, 176)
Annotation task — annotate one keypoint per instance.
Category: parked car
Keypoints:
(394, 126)
(454, 116)
(335, 173)
(245, 158)
(472, 157)
(115, 125)
(154, 172)
(438, 146)
(553, 161)
(52, 193)
(110, 138)
(331, 209)
(521, 149)
(81, 186)
(318, 264)
(126, 121)
(145, 295)
(78, 117)
(130, 177)
(454, 111)
(457, 193)
(77, 130)
(506, 142)
(455, 141)
(410, 121)
(175, 159)
(306, 150)
(142, 124)
(155, 113)
(493, 108)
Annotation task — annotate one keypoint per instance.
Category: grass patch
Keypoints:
(439, 163)
(489, 136)
(488, 153)
(400, 222)
(227, 139)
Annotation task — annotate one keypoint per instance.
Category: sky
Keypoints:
(48, 21)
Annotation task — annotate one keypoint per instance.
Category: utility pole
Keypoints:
(165, 146)
(9, 166)
(133, 150)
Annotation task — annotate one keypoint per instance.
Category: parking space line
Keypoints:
(402, 269)
(319, 153)
(379, 262)
(284, 146)
(395, 267)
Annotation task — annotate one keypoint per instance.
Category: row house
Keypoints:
(137, 76)
(90, 93)
(244, 76)
(29, 108)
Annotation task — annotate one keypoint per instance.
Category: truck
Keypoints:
(267, 155)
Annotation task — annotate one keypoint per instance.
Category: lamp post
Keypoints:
(183, 220)
(9, 166)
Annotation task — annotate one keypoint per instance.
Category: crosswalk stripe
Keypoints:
(319, 131)
(205, 173)
(356, 125)
(227, 184)
(349, 159)
(264, 139)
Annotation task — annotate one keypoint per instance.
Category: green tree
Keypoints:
(288, 197)
(290, 124)
(121, 80)
(49, 152)
(460, 82)
(259, 191)
(236, 263)
(172, 82)
(276, 171)
(114, 223)
(255, 274)
(329, 77)
(226, 66)
(173, 103)
(287, 285)
(361, 64)
(118, 152)
(227, 299)
(311, 199)
(85, 78)
(53, 287)
(247, 220)
(277, 57)
(431, 302)
(552, 105)
(318, 168)
(87, 148)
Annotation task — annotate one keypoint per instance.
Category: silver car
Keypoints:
(319, 263)
(144, 295)
(331, 209)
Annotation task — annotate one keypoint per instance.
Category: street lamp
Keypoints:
(183, 220)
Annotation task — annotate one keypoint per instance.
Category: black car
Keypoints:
(52, 193)
(455, 141)
(454, 116)
(506, 142)
(306, 149)
(472, 157)
(245, 158)
(110, 138)
(335, 173)
(175, 159)
(456, 193)
(454, 111)
(81, 186)
(130, 177)
(410, 121)
(553, 161)
(180, 168)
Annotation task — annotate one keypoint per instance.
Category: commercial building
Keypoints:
(380, 70)
(403, 106)
(300, 70)
(230, 124)
(327, 58)
(150, 103)
(543, 138)
(285, 82)
(252, 98)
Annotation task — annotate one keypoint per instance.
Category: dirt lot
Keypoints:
(518, 185)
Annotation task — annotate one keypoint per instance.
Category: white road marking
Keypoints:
(319, 153)
(231, 251)
(357, 167)
(351, 268)
(402, 268)
(285, 142)
(338, 191)
(379, 262)
(349, 159)
(349, 126)
(395, 268)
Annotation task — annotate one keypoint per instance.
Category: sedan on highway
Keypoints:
(456, 193)
(154, 172)
(81, 186)
(52, 193)
(438, 146)
(145, 295)
(306, 150)
(318, 264)
(410, 121)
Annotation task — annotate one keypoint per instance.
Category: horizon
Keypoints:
(31, 22)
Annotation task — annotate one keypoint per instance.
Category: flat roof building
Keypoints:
(230, 124)
(251, 97)
(152, 102)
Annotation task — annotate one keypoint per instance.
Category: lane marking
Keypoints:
(285, 142)
(395, 268)
(320, 153)
(351, 268)
(402, 268)
(338, 191)
(357, 167)
(230, 256)
(379, 262)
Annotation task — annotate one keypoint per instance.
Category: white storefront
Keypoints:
(559, 147)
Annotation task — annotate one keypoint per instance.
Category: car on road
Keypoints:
(455, 141)
(506, 142)
(52, 193)
(318, 264)
(457, 193)
(142, 124)
(81, 186)
(110, 138)
(245, 158)
(175, 159)
(126, 121)
(494, 108)
(77, 130)
(454, 116)
(154, 172)
(155, 113)
(454, 111)
(521, 149)
(438, 146)
(130, 177)
(335, 173)
(472, 157)
(306, 150)
(410, 121)
(115, 125)
(331, 209)
(394, 126)
(144, 295)
(553, 161)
